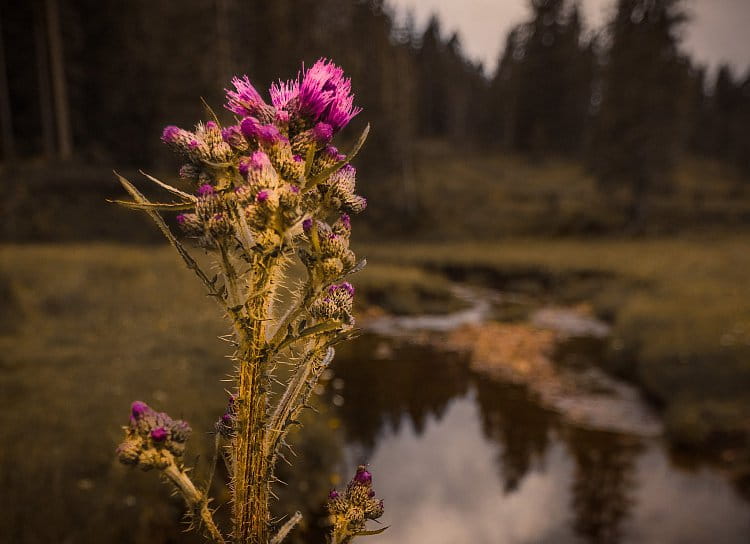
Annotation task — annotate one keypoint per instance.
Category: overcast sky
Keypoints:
(718, 32)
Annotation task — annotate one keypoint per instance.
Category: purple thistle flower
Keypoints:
(294, 189)
(298, 158)
(362, 476)
(226, 419)
(307, 224)
(341, 111)
(333, 494)
(210, 125)
(333, 152)
(159, 434)
(205, 190)
(282, 117)
(346, 220)
(318, 87)
(244, 99)
(283, 92)
(181, 219)
(250, 126)
(262, 196)
(170, 134)
(259, 160)
(244, 166)
(346, 286)
(139, 409)
(269, 134)
(322, 132)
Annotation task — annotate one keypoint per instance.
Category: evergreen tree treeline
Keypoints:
(625, 99)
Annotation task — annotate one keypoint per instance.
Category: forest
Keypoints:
(90, 84)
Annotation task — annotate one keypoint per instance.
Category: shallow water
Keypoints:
(459, 458)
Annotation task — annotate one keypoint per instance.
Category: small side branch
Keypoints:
(285, 529)
(296, 395)
(195, 500)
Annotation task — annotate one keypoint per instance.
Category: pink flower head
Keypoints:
(319, 86)
(232, 135)
(181, 219)
(262, 196)
(250, 126)
(259, 160)
(346, 286)
(244, 166)
(333, 152)
(210, 125)
(283, 92)
(139, 409)
(269, 135)
(170, 134)
(205, 190)
(294, 189)
(342, 110)
(362, 476)
(322, 133)
(327, 95)
(244, 99)
(307, 224)
(282, 117)
(298, 158)
(159, 434)
(346, 221)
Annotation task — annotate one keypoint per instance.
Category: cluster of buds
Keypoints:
(337, 303)
(257, 180)
(226, 424)
(152, 439)
(350, 510)
(328, 255)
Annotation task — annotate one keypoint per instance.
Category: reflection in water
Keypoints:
(603, 484)
(523, 434)
(410, 381)
(462, 459)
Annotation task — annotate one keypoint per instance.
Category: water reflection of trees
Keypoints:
(520, 426)
(604, 482)
(412, 382)
(409, 380)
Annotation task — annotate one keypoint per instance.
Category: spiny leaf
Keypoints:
(370, 533)
(173, 190)
(322, 176)
(157, 206)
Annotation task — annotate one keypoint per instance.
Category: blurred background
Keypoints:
(556, 311)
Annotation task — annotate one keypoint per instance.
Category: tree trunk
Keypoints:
(42, 66)
(6, 120)
(59, 88)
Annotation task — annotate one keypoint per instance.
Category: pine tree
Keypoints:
(641, 123)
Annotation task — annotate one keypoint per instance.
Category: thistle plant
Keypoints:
(267, 190)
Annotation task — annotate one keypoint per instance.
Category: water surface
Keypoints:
(459, 458)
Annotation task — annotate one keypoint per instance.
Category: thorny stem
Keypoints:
(251, 470)
(196, 501)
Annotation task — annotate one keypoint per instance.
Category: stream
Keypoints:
(463, 455)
